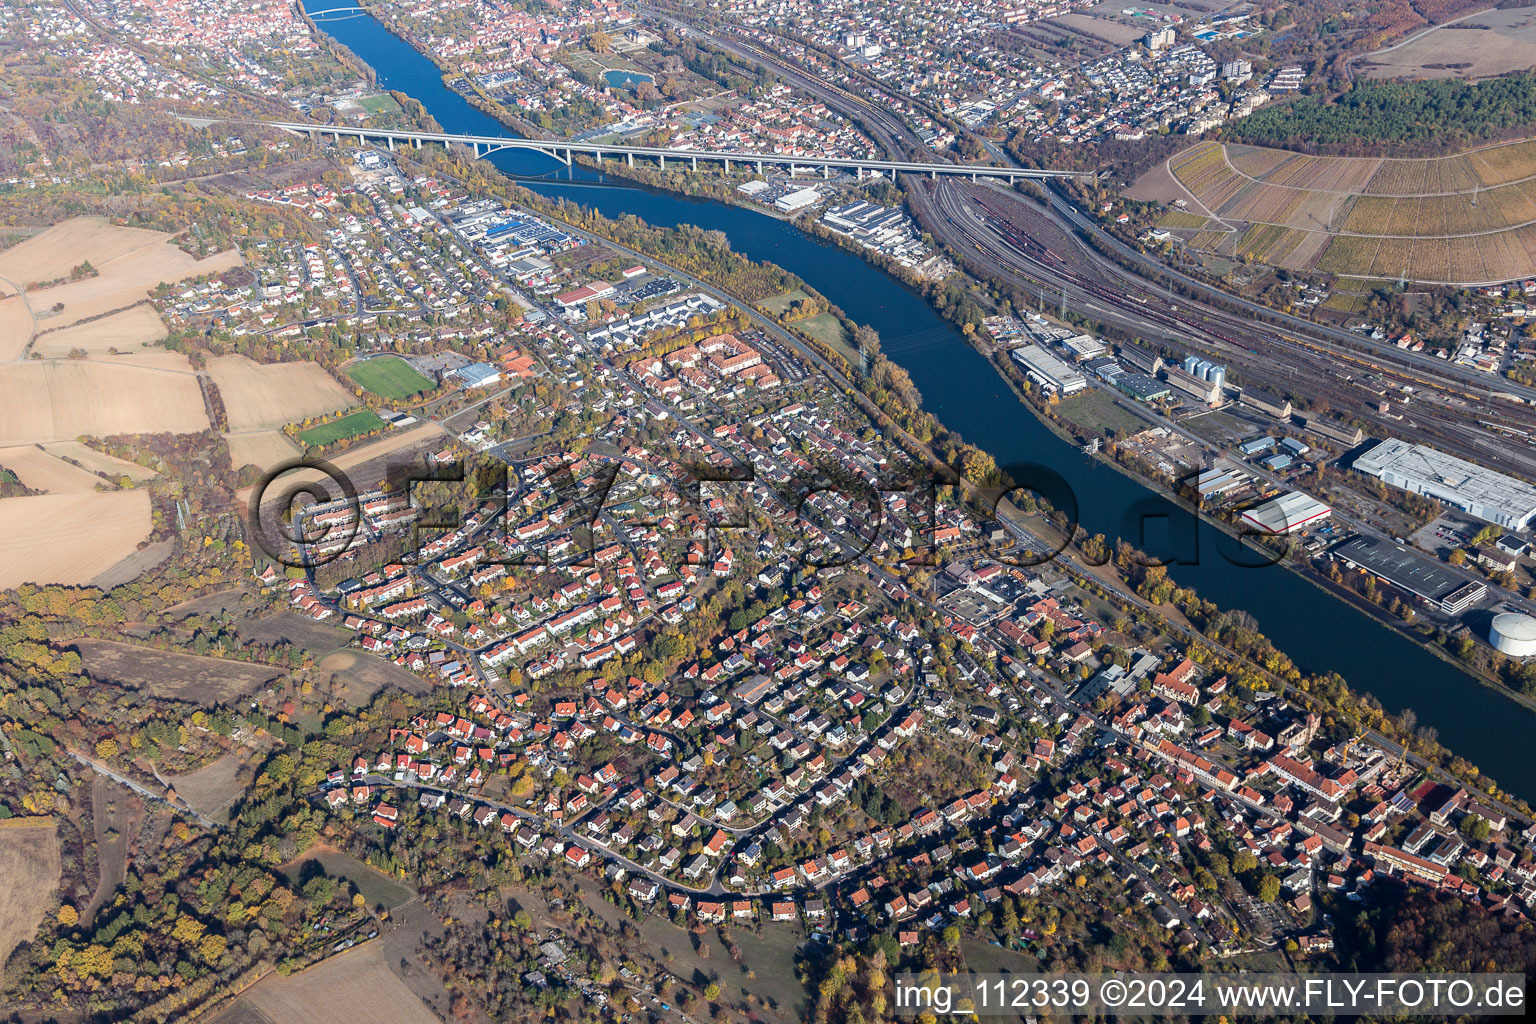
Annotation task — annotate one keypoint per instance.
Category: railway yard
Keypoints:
(1009, 239)
(1002, 235)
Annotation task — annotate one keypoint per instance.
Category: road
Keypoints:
(142, 790)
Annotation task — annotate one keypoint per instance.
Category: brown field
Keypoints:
(111, 819)
(1367, 217)
(63, 401)
(55, 252)
(263, 449)
(124, 280)
(209, 791)
(1485, 45)
(371, 459)
(127, 331)
(69, 538)
(1111, 31)
(44, 472)
(355, 987)
(29, 863)
(15, 327)
(168, 674)
(355, 677)
(100, 462)
(261, 396)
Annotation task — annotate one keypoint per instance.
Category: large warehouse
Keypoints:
(1422, 577)
(1048, 371)
(1287, 513)
(1480, 492)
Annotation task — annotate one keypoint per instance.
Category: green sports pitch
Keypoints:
(353, 424)
(389, 377)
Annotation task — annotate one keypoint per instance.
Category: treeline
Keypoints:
(1412, 118)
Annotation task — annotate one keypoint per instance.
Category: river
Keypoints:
(962, 389)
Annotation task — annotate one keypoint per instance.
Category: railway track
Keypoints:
(1437, 411)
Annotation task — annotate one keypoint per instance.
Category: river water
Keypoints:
(962, 389)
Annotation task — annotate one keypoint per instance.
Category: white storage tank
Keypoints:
(1514, 634)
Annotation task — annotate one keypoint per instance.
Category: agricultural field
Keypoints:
(356, 424)
(212, 789)
(15, 327)
(43, 401)
(1468, 218)
(69, 538)
(29, 863)
(185, 677)
(389, 377)
(100, 462)
(44, 472)
(355, 987)
(261, 396)
(127, 331)
(125, 263)
(262, 449)
(1492, 43)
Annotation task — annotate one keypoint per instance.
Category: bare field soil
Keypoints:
(355, 987)
(356, 676)
(55, 252)
(301, 630)
(29, 864)
(169, 674)
(44, 472)
(1489, 44)
(127, 331)
(260, 396)
(1111, 31)
(263, 449)
(97, 461)
(111, 818)
(366, 464)
(125, 280)
(63, 401)
(211, 790)
(69, 538)
(15, 327)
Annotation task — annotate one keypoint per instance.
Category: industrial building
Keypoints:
(1408, 570)
(1048, 371)
(1218, 481)
(1514, 634)
(1084, 346)
(1461, 484)
(799, 199)
(1141, 386)
(1344, 434)
(1204, 391)
(1266, 402)
(1287, 514)
(1138, 358)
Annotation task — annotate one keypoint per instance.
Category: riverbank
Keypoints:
(960, 389)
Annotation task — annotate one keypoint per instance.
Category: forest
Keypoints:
(1398, 118)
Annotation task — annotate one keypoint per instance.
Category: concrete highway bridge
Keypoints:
(564, 151)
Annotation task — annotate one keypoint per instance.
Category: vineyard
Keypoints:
(1468, 218)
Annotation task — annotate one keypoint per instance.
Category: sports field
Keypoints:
(1468, 218)
(389, 377)
(354, 424)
